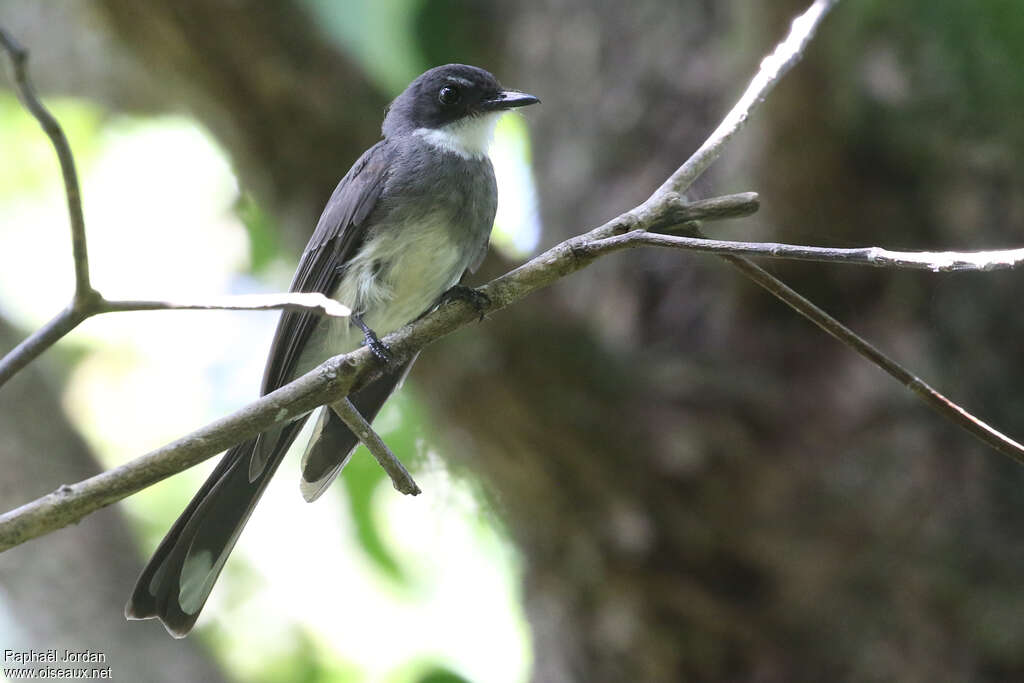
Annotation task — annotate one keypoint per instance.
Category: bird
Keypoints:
(405, 225)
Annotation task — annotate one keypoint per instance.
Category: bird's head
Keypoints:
(454, 106)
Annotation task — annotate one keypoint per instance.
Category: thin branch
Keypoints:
(389, 462)
(677, 211)
(46, 336)
(934, 261)
(27, 95)
(773, 67)
(314, 302)
(933, 398)
(70, 503)
(40, 340)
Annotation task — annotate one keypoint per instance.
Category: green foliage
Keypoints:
(262, 230)
(440, 675)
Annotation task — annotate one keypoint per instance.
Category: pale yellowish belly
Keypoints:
(394, 279)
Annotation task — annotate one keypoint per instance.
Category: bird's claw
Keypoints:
(379, 349)
(376, 346)
(474, 297)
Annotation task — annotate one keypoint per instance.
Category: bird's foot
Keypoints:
(379, 348)
(474, 297)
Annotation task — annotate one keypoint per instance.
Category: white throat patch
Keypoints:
(469, 137)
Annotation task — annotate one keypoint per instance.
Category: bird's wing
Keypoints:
(178, 579)
(338, 234)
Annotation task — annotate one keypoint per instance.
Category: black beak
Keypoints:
(508, 99)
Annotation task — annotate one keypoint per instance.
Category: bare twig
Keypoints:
(314, 302)
(40, 340)
(773, 67)
(933, 398)
(69, 503)
(27, 95)
(934, 261)
(400, 477)
(46, 336)
(69, 318)
(337, 377)
(677, 211)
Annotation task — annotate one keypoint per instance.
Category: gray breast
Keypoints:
(458, 191)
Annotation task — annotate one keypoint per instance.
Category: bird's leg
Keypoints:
(379, 348)
(474, 297)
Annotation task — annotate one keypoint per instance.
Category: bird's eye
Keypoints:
(448, 95)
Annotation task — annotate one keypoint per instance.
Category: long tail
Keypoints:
(175, 584)
(177, 581)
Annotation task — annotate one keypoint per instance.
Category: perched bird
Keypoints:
(406, 223)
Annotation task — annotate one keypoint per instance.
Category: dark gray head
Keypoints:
(449, 94)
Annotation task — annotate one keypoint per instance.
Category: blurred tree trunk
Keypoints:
(702, 486)
(62, 591)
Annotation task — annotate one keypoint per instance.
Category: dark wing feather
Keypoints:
(175, 584)
(338, 234)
